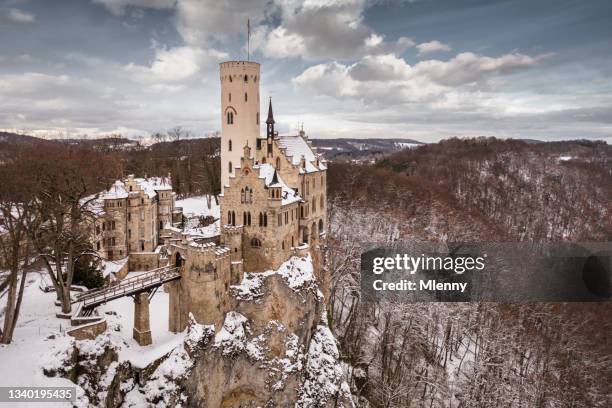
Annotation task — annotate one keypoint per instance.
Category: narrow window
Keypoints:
(230, 96)
(230, 167)
(246, 97)
(257, 120)
(242, 196)
(278, 162)
(230, 145)
(246, 79)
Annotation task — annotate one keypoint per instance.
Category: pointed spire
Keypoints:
(270, 119)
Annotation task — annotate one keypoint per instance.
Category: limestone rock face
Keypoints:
(273, 349)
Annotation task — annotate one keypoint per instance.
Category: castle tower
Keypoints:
(239, 112)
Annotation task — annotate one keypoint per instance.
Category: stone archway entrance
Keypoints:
(305, 234)
(179, 261)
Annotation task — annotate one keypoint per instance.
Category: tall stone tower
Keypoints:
(239, 113)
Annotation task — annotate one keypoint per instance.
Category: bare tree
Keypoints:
(67, 189)
(19, 222)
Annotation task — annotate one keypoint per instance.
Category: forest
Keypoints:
(396, 355)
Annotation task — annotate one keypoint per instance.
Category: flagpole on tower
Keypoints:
(248, 39)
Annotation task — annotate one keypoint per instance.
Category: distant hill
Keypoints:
(361, 149)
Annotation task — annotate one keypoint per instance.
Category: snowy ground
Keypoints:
(193, 209)
(196, 206)
(24, 358)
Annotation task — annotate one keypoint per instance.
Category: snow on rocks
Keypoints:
(298, 272)
(323, 375)
(232, 336)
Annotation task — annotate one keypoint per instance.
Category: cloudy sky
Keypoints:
(421, 69)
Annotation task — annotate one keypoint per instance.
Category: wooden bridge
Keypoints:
(129, 286)
(141, 287)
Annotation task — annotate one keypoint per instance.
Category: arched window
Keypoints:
(230, 167)
(229, 218)
(242, 196)
(320, 227)
(248, 218)
(260, 219)
(246, 97)
(278, 163)
(265, 220)
(255, 243)
(244, 218)
(230, 118)
(233, 218)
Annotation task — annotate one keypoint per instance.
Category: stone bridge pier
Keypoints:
(142, 325)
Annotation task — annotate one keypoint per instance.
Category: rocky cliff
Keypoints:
(273, 350)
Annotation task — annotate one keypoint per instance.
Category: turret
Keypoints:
(239, 112)
(270, 129)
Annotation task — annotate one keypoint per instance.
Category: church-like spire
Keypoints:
(270, 124)
(270, 120)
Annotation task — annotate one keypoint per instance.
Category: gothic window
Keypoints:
(230, 118)
(248, 218)
(265, 220)
(260, 219)
(244, 218)
(242, 196)
(230, 145)
(229, 218)
(233, 218)
(230, 167)
(278, 163)
(320, 227)
(255, 243)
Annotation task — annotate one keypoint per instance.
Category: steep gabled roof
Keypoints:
(296, 148)
(273, 179)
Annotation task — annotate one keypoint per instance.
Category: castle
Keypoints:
(272, 206)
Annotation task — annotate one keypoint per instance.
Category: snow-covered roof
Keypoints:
(160, 183)
(267, 172)
(116, 191)
(296, 147)
(146, 186)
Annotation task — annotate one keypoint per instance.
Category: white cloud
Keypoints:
(173, 66)
(119, 7)
(432, 46)
(199, 20)
(316, 30)
(16, 16)
(468, 67)
(388, 79)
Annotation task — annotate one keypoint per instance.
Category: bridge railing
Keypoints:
(129, 286)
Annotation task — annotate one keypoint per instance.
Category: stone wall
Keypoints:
(88, 331)
(204, 284)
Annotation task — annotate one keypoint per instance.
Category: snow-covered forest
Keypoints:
(393, 355)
